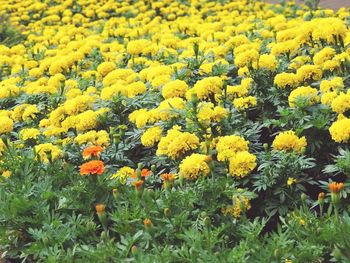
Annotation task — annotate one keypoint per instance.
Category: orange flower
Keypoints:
(92, 167)
(100, 208)
(335, 187)
(92, 151)
(144, 173)
(137, 184)
(168, 177)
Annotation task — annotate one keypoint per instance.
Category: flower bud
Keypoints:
(147, 224)
(153, 169)
(266, 146)
(207, 221)
(134, 249)
(167, 211)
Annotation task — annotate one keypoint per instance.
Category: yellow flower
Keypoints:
(307, 94)
(6, 174)
(309, 72)
(227, 146)
(242, 163)
(43, 150)
(30, 133)
(291, 181)
(6, 124)
(268, 62)
(176, 143)
(285, 80)
(194, 166)
(340, 130)
(176, 88)
(123, 174)
(288, 141)
(151, 136)
(205, 87)
(105, 67)
(244, 103)
(341, 103)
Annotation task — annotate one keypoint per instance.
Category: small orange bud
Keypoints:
(321, 196)
(100, 208)
(147, 223)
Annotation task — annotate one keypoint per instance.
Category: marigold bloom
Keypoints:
(335, 187)
(92, 167)
(92, 151)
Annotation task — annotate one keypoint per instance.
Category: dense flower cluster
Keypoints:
(190, 88)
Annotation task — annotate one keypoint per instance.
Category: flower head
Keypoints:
(92, 167)
(92, 151)
(335, 187)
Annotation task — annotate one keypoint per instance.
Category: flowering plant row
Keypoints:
(175, 131)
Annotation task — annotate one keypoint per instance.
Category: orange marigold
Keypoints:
(92, 167)
(335, 187)
(92, 151)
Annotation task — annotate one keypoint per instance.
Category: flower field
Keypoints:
(174, 131)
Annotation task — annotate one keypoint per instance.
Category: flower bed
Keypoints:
(174, 131)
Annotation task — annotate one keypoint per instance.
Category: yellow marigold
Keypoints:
(236, 91)
(176, 88)
(309, 72)
(328, 97)
(151, 136)
(227, 146)
(246, 58)
(307, 94)
(340, 130)
(137, 47)
(332, 84)
(123, 174)
(322, 56)
(48, 148)
(206, 87)
(286, 80)
(105, 67)
(109, 92)
(242, 163)
(341, 103)
(30, 133)
(194, 166)
(100, 138)
(244, 103)
(30, 112)
(176, 143)
(139, 117)
(208, 113)
(268, 62)
(288, 141)
(135, 89)
(240, 204)
(6, 124)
